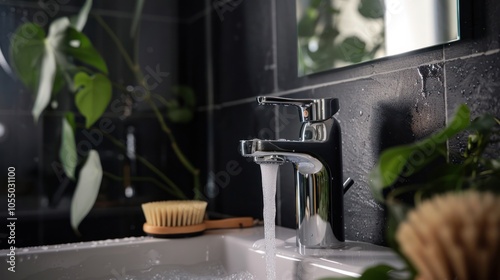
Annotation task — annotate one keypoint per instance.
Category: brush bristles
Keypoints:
(454, 236)
(174, 213)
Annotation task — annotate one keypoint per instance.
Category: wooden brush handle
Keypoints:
(159, 230)
(240, 222)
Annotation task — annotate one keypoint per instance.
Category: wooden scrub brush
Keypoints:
(454, 236)
(181, 218)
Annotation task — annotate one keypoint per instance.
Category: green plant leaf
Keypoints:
(34, 61)
(394, 160)
(93, 96)
(180, 109)
(70, 118)
(352, 49)
(27, 49)
(307, 24)
(77, 45)
(67, 150)
(378, 272)
(180, 115)
(388, 169)
(79, 21)
(137, 17)
(371, 9)
(41, 63)
(483, 123)
(186, 94)
(492, 164)
(38, 61)
(87, 188)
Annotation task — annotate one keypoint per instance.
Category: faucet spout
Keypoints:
(272, 151)
(269, 159)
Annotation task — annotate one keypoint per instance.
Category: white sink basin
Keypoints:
(239, 251)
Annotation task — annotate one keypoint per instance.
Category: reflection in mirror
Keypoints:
(337, 33)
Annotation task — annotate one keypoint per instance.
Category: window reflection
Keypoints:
(337, 33)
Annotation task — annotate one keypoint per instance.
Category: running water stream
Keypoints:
(269, 176)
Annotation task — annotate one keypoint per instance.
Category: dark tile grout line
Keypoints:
(210, 138)
(445, 96)
(316, 86)
(274, 32)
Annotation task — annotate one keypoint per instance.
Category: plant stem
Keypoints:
(136, 43)
(173, 142)
(117, 41)
(119, 87)
(161, 99)
(134, 67)
(149, 165)
(175, 189)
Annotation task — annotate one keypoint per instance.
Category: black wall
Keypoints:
(382, 104)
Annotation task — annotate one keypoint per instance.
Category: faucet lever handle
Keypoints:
(309, 109)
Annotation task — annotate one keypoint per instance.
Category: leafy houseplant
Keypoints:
(322, 45)
(46, 63)
(476, 170)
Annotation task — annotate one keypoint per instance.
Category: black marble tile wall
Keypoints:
(382, 103)
(192, 55)
(242, 50)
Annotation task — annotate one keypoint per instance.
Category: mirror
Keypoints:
(338, 33)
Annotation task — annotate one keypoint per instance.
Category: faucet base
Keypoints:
(315, 233)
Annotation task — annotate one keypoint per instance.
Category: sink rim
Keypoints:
(229, 244)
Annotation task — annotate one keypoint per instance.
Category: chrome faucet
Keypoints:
(317, 160)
